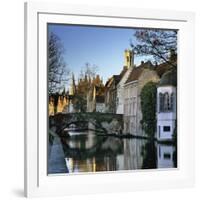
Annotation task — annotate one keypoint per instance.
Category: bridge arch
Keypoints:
(100, 128)
(61, 121)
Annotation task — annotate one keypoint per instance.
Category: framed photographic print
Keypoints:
(108, 99)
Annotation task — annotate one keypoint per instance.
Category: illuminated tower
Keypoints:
(128, 58)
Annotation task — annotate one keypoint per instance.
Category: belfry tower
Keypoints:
(128, 58)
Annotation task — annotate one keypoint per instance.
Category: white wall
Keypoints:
(166, 118)
(120, 91)
(11, 80)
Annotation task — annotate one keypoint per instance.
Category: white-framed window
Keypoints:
(166, 102)
(161, 102)
(172, 101)
(166, 128)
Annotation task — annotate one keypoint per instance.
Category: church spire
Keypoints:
(72, 88)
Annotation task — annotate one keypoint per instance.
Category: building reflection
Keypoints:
(92, 153)
(165, 155)
(84, 139)
(132, 155)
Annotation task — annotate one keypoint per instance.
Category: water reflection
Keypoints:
(88, 152)
(165, 155)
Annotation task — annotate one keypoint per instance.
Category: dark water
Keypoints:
(87, 152)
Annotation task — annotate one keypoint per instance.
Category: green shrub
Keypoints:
(148, 107)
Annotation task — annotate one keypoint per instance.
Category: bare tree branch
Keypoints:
(156, 43)
(58, 72)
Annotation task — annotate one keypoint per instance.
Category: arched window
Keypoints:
(161, 102)
(127, 58)
(172, 102)
(166, 102)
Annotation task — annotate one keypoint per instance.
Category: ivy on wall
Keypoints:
(148, 107)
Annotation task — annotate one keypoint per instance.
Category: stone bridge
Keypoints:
(106, 122)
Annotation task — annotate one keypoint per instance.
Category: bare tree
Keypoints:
(89, 70)
(58, 73)
(161, 44)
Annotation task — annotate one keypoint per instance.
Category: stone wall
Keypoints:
(105, 122)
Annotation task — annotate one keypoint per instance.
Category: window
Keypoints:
(167, 156)
(127, 59)
(134, 107)
(130, 60)
(172, 102)
(132, 127)
(126, 106)
(166, 128)
(127, 127)
(129, 109)
(161, 103)
(166, 102)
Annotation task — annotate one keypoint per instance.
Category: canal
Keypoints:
(86, 151)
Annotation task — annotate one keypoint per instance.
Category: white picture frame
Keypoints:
(37, 182)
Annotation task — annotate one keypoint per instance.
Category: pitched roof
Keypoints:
(114, 78)
(169, 78)
(166, 66)
(137, 71)
(122, 73)
(162, 68)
